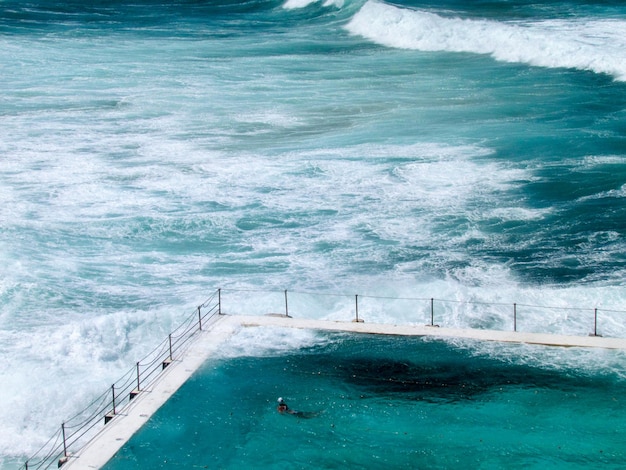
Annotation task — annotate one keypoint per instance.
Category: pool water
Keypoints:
(371, 401)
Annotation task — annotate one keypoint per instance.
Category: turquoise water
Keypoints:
(385, 402)
(152, 152)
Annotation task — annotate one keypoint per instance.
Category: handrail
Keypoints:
(429, 304)
(75, 432)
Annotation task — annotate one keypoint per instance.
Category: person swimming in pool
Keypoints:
(283, 408)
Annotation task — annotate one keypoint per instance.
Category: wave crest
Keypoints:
(295, 4)
(596, 45)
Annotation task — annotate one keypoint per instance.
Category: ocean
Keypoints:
(151, 152)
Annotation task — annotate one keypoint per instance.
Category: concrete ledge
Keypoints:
(123, 425)
(427, 330)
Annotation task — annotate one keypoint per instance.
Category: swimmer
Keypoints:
(282, 407)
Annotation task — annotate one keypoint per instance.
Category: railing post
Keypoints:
(138, 382)
(432, 312)
(113, 391)
(170, 338)
(286, 305)
(64, 442)
(514, 317)
(219, 301)
(26, 465)
(595, 323)
(356, 305)
(199, 327)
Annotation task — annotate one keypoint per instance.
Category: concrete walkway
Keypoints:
(120, 429)
(425, 330)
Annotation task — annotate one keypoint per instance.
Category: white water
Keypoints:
(63, 355)
(136, 176)
(585, 44)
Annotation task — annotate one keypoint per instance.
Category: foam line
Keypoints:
(297, 4)
(598, 45)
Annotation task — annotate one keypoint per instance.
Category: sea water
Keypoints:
(151, 152)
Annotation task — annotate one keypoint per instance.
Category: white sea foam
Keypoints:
(519, 213)
(52, 371)
(116, 219)
(295, 4)
(585, 44)
(363, 192)
(592, 161)
(266, 341)
(618, 193)
(594, 362)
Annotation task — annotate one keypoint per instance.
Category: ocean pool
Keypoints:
(373, 401)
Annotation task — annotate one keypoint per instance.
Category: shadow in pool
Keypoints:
(418, 370)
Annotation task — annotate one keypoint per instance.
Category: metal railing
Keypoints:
(77, 430)
(575, 321)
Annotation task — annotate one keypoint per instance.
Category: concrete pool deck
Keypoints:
(110, 439)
